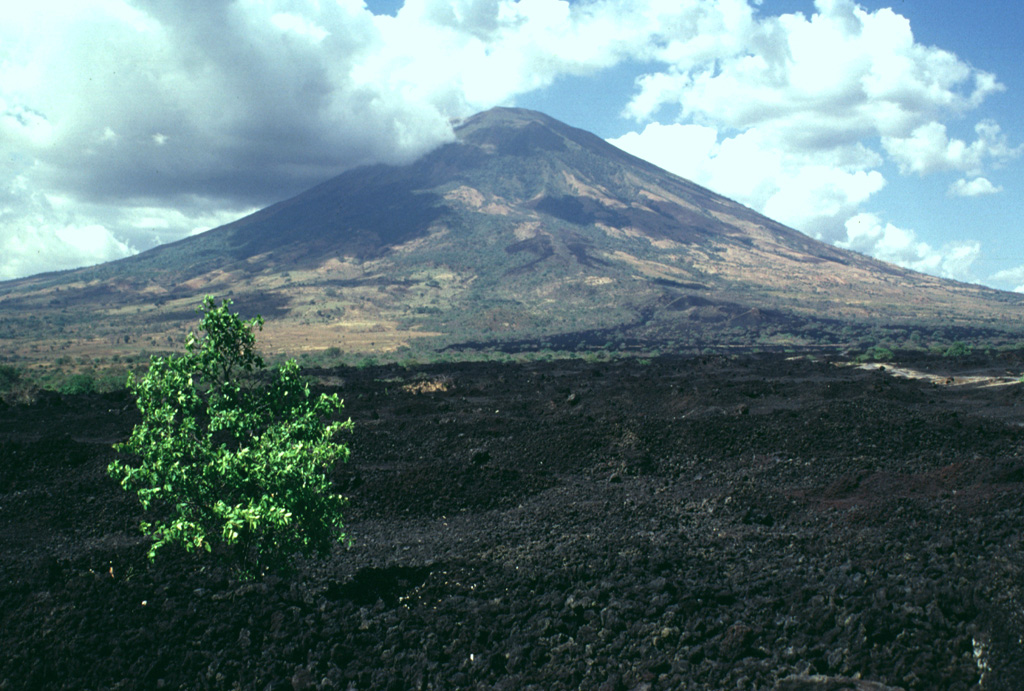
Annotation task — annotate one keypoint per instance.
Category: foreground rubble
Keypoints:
(758, 522)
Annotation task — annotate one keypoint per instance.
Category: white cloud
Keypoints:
(814, 197)
(299, 26)
(48, 232)
(686, 150)
(189, 110)
(813, 193)
(789, 120)
(866, 233)
(838, 76)
(1010, 277)
(30, 250)
(43, 236)
(973, 188)
(929, 149)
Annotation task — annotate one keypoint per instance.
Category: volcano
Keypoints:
(522, 230)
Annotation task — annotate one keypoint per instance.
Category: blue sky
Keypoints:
(891, 128)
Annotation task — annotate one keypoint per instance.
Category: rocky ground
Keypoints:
(755, 522)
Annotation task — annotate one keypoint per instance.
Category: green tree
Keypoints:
(232, 462)
(959, 349)
(876, 353)
(9, 376)
(81, 383)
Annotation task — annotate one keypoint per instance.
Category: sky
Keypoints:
(893, 128)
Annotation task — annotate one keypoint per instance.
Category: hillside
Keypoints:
(522, 231)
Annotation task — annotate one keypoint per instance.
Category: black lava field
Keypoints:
(748, 522)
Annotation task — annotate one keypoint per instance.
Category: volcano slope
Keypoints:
(754, 522)
(522, 228)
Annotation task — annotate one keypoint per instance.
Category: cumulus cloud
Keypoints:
(233, 100)
(929, 149)
(46, 247)
(799, 189)
(49, 231)
(192, 111)
(686, 150)
(1011, 277)
(972, 188)
(788, 118)
(836, 77)
(867, 233)
(41, 235)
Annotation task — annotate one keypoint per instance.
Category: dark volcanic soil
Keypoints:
(751, 523)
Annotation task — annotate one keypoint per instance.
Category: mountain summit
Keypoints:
(522, 229)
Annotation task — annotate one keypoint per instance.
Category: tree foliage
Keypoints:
(232, 461)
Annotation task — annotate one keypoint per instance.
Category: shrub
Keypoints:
(959, 349)
(9, 376)
(232, 463)
(78, 384)
(15, 388)
(877, 353)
